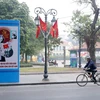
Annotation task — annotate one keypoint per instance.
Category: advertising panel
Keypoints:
(9, 51)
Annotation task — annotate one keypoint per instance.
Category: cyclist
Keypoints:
(90, 67)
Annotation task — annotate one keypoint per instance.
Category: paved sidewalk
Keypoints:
(37, 79)
(62, 77)
(53, 78)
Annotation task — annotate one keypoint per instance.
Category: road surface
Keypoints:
(50, 92)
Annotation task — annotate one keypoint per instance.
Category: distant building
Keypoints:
(84, 51)
(59, 50)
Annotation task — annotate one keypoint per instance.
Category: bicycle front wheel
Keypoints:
(81, 80)
(98, 79)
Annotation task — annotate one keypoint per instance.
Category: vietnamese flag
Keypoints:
(55, 27)
(43, 25)
(54, 30)
(5, 46)
(37, 31)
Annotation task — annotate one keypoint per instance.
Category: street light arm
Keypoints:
(39, 10)
(52, 12)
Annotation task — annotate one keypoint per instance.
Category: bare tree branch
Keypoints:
(95, 19)
(97, 29)
(96, 9)
(93, 3)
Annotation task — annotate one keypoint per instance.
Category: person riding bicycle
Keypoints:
(90, 67)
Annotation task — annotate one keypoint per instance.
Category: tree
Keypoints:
(90, 26)
(12, 9)
(52, 42)
(29, 45)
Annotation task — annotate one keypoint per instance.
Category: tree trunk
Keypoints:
(91, 41)
(22, 58)
(92, 50)
(26, 57)
(31, 58)
(91, 46)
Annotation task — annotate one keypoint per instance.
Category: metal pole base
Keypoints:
(45, 77)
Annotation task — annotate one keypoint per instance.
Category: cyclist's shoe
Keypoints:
(95, 82)
(92, 80)
(99, 80)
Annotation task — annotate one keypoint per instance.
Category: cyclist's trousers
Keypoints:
(93, 73)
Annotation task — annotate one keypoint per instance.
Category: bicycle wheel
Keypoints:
(98, 79)
(81, 80)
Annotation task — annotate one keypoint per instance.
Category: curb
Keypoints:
(30, 73)
(45, 83)
(39, 73)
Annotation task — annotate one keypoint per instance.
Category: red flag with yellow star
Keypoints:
(54, 30)
(43, 25)
(37, 31)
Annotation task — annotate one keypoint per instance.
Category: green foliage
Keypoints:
(80, 18)
(82, 1)
(12, 9)
(90, 28)
(52, 41)
(29, 45)
(82, 22)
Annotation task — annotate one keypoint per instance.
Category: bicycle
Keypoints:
(83, 79)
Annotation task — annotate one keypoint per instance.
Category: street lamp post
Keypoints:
(79, 51)
(53, 12)
(64, 48)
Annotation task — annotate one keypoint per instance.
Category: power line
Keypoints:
(64, 17)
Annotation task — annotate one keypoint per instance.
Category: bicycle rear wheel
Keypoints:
(98, 79)
(81, 80)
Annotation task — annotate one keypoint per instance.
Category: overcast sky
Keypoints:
(64, 10)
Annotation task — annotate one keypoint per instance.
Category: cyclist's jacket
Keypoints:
(90, 65)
